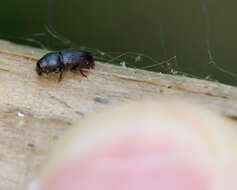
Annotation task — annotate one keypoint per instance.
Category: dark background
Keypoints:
(197, 37)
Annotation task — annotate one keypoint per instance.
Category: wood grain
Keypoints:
(35, 111)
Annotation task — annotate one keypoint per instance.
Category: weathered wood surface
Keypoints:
(35, 111)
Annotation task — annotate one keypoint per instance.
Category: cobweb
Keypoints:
(53, 40)
(124, 59)
(208, 43)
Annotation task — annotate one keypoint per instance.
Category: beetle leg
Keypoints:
(61, 70)
(76, 68)
(83, 74)
(60, 76)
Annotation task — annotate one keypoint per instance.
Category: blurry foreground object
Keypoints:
(167, 144)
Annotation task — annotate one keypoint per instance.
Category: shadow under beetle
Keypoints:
(58, 62)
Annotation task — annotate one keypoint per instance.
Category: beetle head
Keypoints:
(48, 63)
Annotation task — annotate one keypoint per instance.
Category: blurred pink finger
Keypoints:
(166, 144)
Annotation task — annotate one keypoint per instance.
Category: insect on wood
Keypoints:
(58, 62)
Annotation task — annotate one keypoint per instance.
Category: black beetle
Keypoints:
(59, 62)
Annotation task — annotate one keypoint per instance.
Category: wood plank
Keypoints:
(35, 111)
